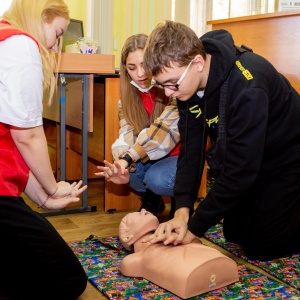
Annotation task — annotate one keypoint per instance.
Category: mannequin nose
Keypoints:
(143, 211)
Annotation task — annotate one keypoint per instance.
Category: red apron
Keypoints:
(14, 171)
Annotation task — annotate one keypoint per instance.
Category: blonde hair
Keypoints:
(133, 108)
(29, 16)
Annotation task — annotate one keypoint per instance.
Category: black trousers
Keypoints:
(36, 263)
(267, 222)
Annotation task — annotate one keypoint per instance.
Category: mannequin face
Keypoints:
(137, 221)
(135, 69)
(135, 225)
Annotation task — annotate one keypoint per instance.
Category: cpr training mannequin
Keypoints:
(185, 270)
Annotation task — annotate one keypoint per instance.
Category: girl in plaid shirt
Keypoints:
(145, 153)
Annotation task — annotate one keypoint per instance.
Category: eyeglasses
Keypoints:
(173, 87)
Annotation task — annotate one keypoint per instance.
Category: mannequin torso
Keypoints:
(185, 270)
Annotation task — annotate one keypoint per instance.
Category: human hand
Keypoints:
(173, 231)
(59, 202)
(115, 172)
(190, 238)
(65, 189)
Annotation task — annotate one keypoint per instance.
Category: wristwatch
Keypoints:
(127, 158)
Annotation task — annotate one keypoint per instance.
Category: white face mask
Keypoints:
(141, 89)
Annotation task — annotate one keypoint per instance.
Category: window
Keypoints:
(4, 5)
(223, 9)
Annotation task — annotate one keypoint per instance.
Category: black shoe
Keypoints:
(172, 209)
(152, 203)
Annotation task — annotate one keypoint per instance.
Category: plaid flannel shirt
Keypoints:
(152, 143)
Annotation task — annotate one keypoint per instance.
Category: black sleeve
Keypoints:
(191, 157)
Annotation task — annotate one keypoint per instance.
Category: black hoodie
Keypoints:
(262, 115)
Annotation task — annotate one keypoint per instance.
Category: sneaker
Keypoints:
(152, 203)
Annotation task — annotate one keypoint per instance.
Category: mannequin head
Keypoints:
(135, 225)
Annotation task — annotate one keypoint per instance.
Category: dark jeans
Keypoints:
(36, 263)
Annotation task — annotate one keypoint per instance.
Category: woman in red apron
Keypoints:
(36, 259)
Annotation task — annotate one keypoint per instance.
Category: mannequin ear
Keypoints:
(127, 238)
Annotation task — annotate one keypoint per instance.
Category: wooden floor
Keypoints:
(78, 226)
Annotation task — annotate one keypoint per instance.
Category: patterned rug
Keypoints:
(286, 269)
(101, 260)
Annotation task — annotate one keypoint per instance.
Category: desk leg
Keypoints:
(62, 117)
(85, 111)
(85, 98)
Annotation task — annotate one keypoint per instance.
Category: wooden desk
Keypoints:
(82, 67)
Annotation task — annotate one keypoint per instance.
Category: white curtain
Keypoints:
(99, 23)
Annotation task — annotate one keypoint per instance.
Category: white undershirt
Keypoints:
(21, 82)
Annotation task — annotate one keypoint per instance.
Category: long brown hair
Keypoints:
(29, 16)
(133, 108)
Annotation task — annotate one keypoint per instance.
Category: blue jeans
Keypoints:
(157, 176)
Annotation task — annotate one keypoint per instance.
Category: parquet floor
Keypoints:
(78, 226)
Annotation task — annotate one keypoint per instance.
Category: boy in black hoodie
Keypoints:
(251, 114)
